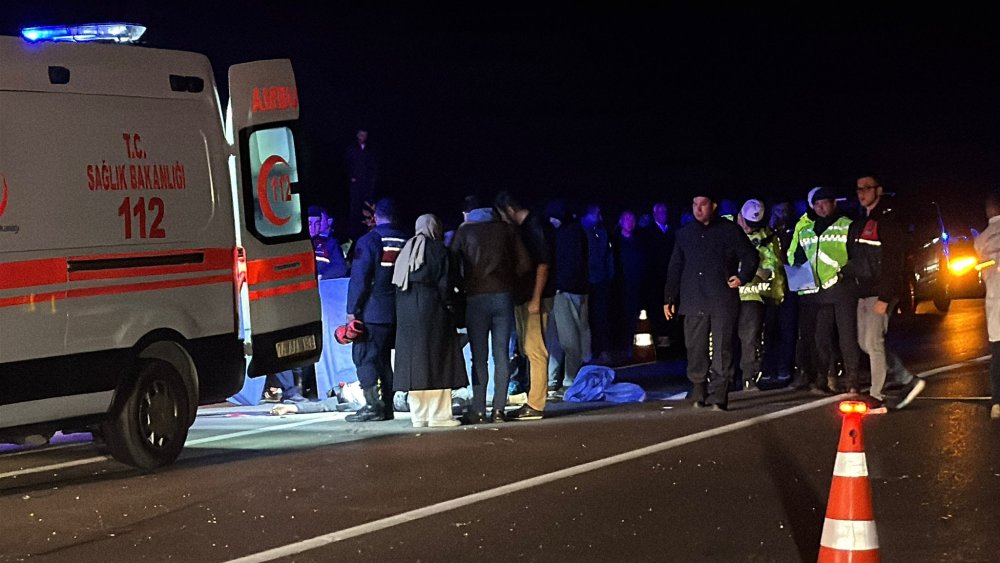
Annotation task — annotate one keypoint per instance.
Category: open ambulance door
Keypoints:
(285, 326)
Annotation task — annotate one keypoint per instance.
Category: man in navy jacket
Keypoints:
(371, 298)
(711, 259)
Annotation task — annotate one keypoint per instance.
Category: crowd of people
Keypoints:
(781, 294)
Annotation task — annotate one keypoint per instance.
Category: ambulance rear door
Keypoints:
(281, 287)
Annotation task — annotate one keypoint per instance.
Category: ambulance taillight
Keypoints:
(239, 269)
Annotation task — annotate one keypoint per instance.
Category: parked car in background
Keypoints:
(940, 270)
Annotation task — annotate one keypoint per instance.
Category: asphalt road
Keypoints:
(656, 481)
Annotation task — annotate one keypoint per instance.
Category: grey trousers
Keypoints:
(871, 338)
(572, 325)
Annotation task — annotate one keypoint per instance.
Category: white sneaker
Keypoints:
(518, 399)
(910, 392)
(443, 423)
(995, 412)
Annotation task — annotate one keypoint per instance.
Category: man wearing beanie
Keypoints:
(759, 299)
(711, 259)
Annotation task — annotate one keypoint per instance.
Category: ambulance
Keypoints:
(150, 243)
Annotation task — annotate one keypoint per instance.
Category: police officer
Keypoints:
(759, 299)
(822, 243)
(371, 298)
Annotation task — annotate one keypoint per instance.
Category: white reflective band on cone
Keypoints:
(850, 464)
(849, 535)
(643, 340)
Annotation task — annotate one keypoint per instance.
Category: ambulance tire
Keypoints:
(149, 428)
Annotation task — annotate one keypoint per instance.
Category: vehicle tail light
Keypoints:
(960, 266)
(239, 268)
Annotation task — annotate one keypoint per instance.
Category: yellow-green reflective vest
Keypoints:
(826, 253)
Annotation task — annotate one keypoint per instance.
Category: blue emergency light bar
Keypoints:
(106, 32)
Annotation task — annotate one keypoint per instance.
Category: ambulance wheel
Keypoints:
(149, 428)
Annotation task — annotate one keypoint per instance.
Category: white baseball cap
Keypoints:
(753, 212)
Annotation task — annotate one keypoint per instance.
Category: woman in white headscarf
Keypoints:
(429, 361)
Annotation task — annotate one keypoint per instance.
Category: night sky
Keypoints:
(619, 105)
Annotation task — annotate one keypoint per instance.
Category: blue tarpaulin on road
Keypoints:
(596, 383)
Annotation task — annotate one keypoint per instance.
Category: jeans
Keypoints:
(286, 381)
(572, 325)
(489, 314)
(805, 345)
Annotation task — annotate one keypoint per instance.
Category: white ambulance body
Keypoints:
(137, 242)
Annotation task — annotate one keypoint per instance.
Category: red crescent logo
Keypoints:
(262, 194)
(3, 199)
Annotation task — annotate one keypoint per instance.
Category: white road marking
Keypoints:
(445, 506)
(312, 420)
(195, 442)
(334, 416)
(54, 466)
(922, 398)
(942, 369)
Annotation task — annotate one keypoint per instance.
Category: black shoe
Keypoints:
(800, 381)
(526, 413)
(368, 413)
(498, 416)
(473, 417)
(719, 408)
(374, 409)
(271, 395)
(910, 392)
(820, 389)
(554, 387)
(750, 385)
(698, 405)
(875, 406)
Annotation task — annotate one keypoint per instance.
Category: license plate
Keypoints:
(295, 346)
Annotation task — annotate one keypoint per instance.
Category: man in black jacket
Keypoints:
(361, 170)
(875, 261)
(711, 259)
(533, 299)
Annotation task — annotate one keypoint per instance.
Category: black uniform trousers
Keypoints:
(373, 357)
(837, 326)
(750, 328)
(712, 364)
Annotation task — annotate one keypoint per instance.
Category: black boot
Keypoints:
(374, 408)
(800, 381)
(388, 398)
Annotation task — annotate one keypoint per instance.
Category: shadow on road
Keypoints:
(798, 498)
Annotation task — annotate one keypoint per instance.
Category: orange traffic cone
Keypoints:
(643, 350)
(849, 529)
